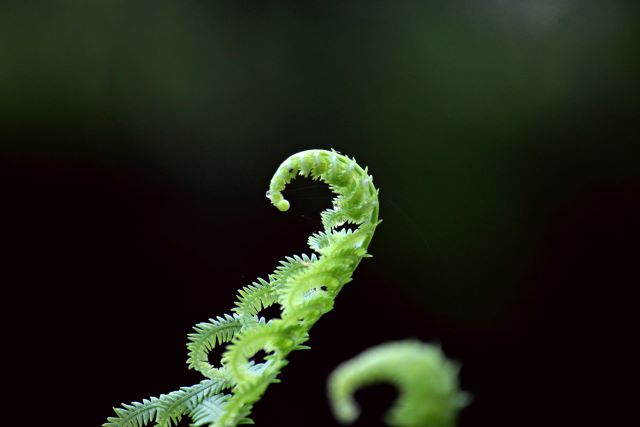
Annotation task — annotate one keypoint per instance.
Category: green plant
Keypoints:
(427, 383)
(303, 286)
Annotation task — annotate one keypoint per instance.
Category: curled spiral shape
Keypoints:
(427, 383)
(304, 287)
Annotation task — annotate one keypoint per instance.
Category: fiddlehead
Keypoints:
(303, 286)
(427, 383)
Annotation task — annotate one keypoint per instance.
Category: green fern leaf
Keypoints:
(136, 414)
(206, 336)
(178, 403)
(255, 297)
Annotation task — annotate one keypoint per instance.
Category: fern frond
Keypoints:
(291, 266)
(309, 285)
(206, 336)
(305, 287)
(136, 414)
(428, 384)
(332, 218)
(254, 298)
(271, 337)
(178, 403)
(166, 410)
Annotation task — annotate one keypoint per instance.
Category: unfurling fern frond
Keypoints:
(207, 336)
(178, 403)
(166, 410)
(136, 414)
(254, 298)
(427, 382)
(305, 288)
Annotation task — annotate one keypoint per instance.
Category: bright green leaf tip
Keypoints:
(283, 205)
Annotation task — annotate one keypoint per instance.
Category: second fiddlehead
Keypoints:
(428, 392)
(304, 287)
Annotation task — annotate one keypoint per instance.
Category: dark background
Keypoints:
(140, 137)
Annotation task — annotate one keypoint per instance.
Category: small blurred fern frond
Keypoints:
(427, 383)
